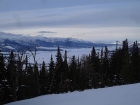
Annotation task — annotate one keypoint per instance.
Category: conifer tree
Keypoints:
(65, 73)
(59, 71)
(101, 82)
(23, 88)
(65, 65)
(79, 70)
(12, 75)
(116, 66)
(51, 76)
(125, 69)
(135, 62)
(106, 67)
(94, 68)
(59, 59)
(21, 77)
(36, 79)
(43, 79)
(31, 82)
(43, 70)
(72, 74)
(4, 95)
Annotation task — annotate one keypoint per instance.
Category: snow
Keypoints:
(29, 38)
(51, 48)
(4, 80)
(46, 55)
(118, 95)
(9, 47)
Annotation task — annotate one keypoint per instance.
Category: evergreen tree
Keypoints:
(65, 65)
(125, 68)
(135, 62)
(51, 76)
(106, 67)
(12, 76)
(31, 82)
(23, 85)
(36, 79)
(65, 74)
(4, 91)
(94, 73)
(72, 74)
(101, 70)
(21, 77)
(59, 71)
(59, 59)
(79, 70)
(43, 79)
(43, 70)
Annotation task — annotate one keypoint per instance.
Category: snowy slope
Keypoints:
(119, 95)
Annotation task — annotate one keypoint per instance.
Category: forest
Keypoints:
(20, 79)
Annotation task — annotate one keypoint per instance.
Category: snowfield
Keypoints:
(118, 95)
(46, 55)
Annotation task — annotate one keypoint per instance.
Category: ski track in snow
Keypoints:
(117, 95)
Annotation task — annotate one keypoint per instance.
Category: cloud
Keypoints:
(118, 14)
(9, 35)
(46, 32)
(75, 15)
(5, 5)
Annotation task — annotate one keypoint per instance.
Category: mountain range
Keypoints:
(15, 42)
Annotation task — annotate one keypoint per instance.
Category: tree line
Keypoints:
(19, 79)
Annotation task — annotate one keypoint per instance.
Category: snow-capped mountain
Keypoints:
(15, 42)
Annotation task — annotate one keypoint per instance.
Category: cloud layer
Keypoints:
(43, 32)
(65, 14)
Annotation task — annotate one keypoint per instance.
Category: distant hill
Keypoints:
(14, 42)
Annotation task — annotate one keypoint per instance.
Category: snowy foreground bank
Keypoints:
(119, 95)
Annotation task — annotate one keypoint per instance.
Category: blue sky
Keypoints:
(84, 19)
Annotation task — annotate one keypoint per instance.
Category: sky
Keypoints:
(83, 19)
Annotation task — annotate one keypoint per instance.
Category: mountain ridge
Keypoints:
(17, 42)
